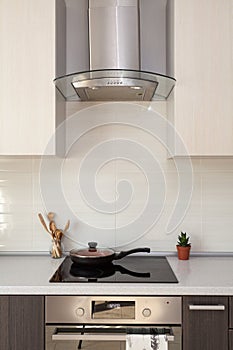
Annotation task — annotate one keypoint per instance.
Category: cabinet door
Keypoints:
(231, 323)
(206, 326)
(27, 70)
(203, 97)
(231, 339)
(21, 322)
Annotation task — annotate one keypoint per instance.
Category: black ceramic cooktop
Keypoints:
(132, 269)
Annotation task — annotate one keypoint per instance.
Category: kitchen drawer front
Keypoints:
(205, 323)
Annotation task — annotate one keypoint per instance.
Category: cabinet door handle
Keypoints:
(207, 307)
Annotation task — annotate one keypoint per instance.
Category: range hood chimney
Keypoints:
(114, 59)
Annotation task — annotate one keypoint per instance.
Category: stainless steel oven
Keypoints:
(112, 322)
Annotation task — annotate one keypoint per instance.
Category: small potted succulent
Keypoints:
(183, 246)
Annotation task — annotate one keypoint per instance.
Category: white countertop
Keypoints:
(199, 275)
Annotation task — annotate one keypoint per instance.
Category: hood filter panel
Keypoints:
(106, 89)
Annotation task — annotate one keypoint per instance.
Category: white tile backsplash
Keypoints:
(130, 191)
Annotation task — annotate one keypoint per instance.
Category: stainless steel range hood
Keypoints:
(114, 59)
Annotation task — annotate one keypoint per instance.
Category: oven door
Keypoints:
(112, 337)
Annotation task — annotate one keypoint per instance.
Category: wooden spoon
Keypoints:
(43, 223)
(67, 226)
(50, 216)
(50, 233)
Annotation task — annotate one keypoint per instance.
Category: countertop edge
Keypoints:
(198, 276)
(126, 289)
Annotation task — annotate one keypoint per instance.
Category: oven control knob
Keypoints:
(146, 312)
(80, 311)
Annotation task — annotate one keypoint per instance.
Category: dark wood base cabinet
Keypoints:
(205, 323)
(22, 322)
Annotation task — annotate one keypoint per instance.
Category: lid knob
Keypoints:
(92, 246)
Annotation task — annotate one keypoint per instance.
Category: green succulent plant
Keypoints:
(183, 240)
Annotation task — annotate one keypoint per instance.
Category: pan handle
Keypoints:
(132, 251)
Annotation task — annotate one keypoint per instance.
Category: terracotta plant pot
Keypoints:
(183, 252)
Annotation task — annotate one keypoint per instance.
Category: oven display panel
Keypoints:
(113, 310)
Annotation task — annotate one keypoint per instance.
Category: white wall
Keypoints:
(208, 220)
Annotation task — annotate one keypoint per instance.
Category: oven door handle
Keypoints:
(106, 334)
(89, 334)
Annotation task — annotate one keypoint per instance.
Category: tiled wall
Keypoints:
(116, 214)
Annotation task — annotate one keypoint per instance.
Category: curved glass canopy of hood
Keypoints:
(115, 85)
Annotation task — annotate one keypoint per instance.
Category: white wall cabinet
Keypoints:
(201, 50)
(29, 109)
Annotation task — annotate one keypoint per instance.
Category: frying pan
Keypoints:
(94, 256)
